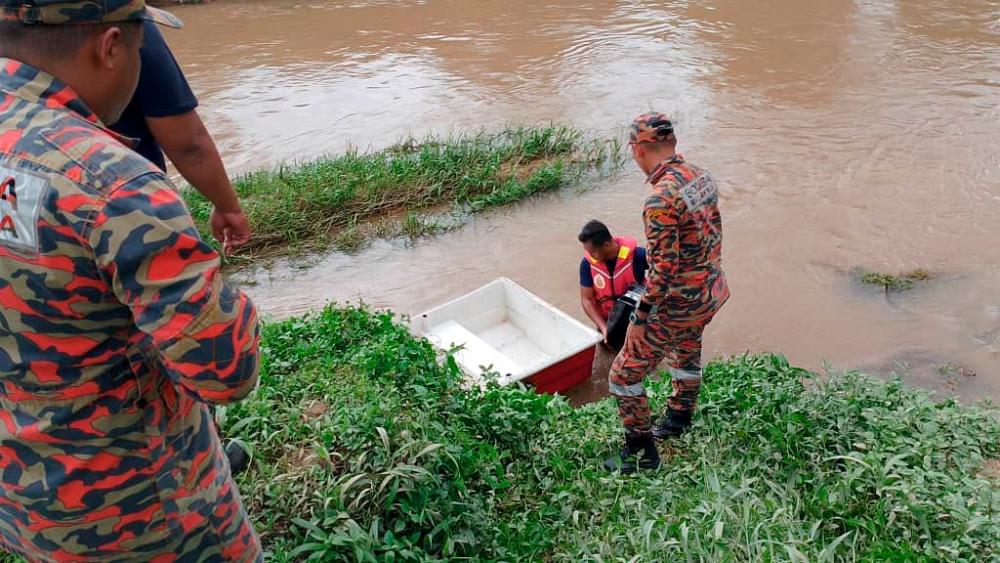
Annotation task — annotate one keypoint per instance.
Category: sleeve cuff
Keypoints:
(172, 112)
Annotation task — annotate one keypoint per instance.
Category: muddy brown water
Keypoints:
(844, 133)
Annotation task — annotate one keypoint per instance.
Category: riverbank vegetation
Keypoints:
(410, 189)
(368, 448)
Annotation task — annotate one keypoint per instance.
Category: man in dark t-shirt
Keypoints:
(163, 116)
(162, 92)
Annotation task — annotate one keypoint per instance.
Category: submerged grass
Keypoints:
(368, 449)
(893, 282)
(343, 201)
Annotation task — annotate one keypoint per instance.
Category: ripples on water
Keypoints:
(845, 133)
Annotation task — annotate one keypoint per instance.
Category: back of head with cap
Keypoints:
(79, 12)
(45, 45)
(91, 45)
(652, 127)
(35, 30)
(652, 139)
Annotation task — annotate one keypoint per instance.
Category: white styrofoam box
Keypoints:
(504, 327)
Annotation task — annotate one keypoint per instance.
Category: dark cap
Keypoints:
(651, 127)
(68, 12)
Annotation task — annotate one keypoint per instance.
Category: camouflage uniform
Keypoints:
(685, 284)
(116, 331)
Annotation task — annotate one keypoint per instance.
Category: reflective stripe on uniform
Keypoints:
(685, 375)
(634, 390)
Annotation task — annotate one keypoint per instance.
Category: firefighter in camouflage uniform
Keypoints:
(116, 328)
(685, 289)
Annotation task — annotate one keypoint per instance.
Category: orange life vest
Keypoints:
(609, 286)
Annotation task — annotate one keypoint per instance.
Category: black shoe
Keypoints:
(672, 425)
(239, 461)
(639, 453)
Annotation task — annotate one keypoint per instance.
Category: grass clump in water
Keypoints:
(343, 201)
(894, 282)
(367, 448)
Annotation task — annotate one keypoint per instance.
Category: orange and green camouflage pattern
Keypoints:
(685, 285)
(117, 330)
(684, 237)
(61, 12)
(652, 127)
(680, 345)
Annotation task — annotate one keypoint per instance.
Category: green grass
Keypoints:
(346, 200)
(893, 282)
(367, 448)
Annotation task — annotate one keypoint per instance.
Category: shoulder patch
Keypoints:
(699, 191)
(21, 196)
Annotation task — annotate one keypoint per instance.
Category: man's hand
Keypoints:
(635, 340)
(231, 229)
(192, 150)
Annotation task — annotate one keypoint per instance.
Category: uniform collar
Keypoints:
(662, 167)
(39, 87)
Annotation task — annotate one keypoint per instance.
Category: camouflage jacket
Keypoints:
(116, 329)
(684, 233)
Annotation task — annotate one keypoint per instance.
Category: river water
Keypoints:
(844, 134)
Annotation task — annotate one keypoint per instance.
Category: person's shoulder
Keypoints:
(586, 278)
(163, 90)
(105, 154)
(662, 198)
(84, 151)
(669, 181)
(692, 172)
(152, 41)
(81, 165)
(667, 188)
(93, 156)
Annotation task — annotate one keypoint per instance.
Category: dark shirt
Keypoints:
(163, 92)
(639, 267)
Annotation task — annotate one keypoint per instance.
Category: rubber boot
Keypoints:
(639, 453)
(239, 461)
(672, 425)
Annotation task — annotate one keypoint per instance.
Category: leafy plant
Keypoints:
(841, 468)
(367, 448)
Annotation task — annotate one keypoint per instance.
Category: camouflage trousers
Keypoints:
(679, 343)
